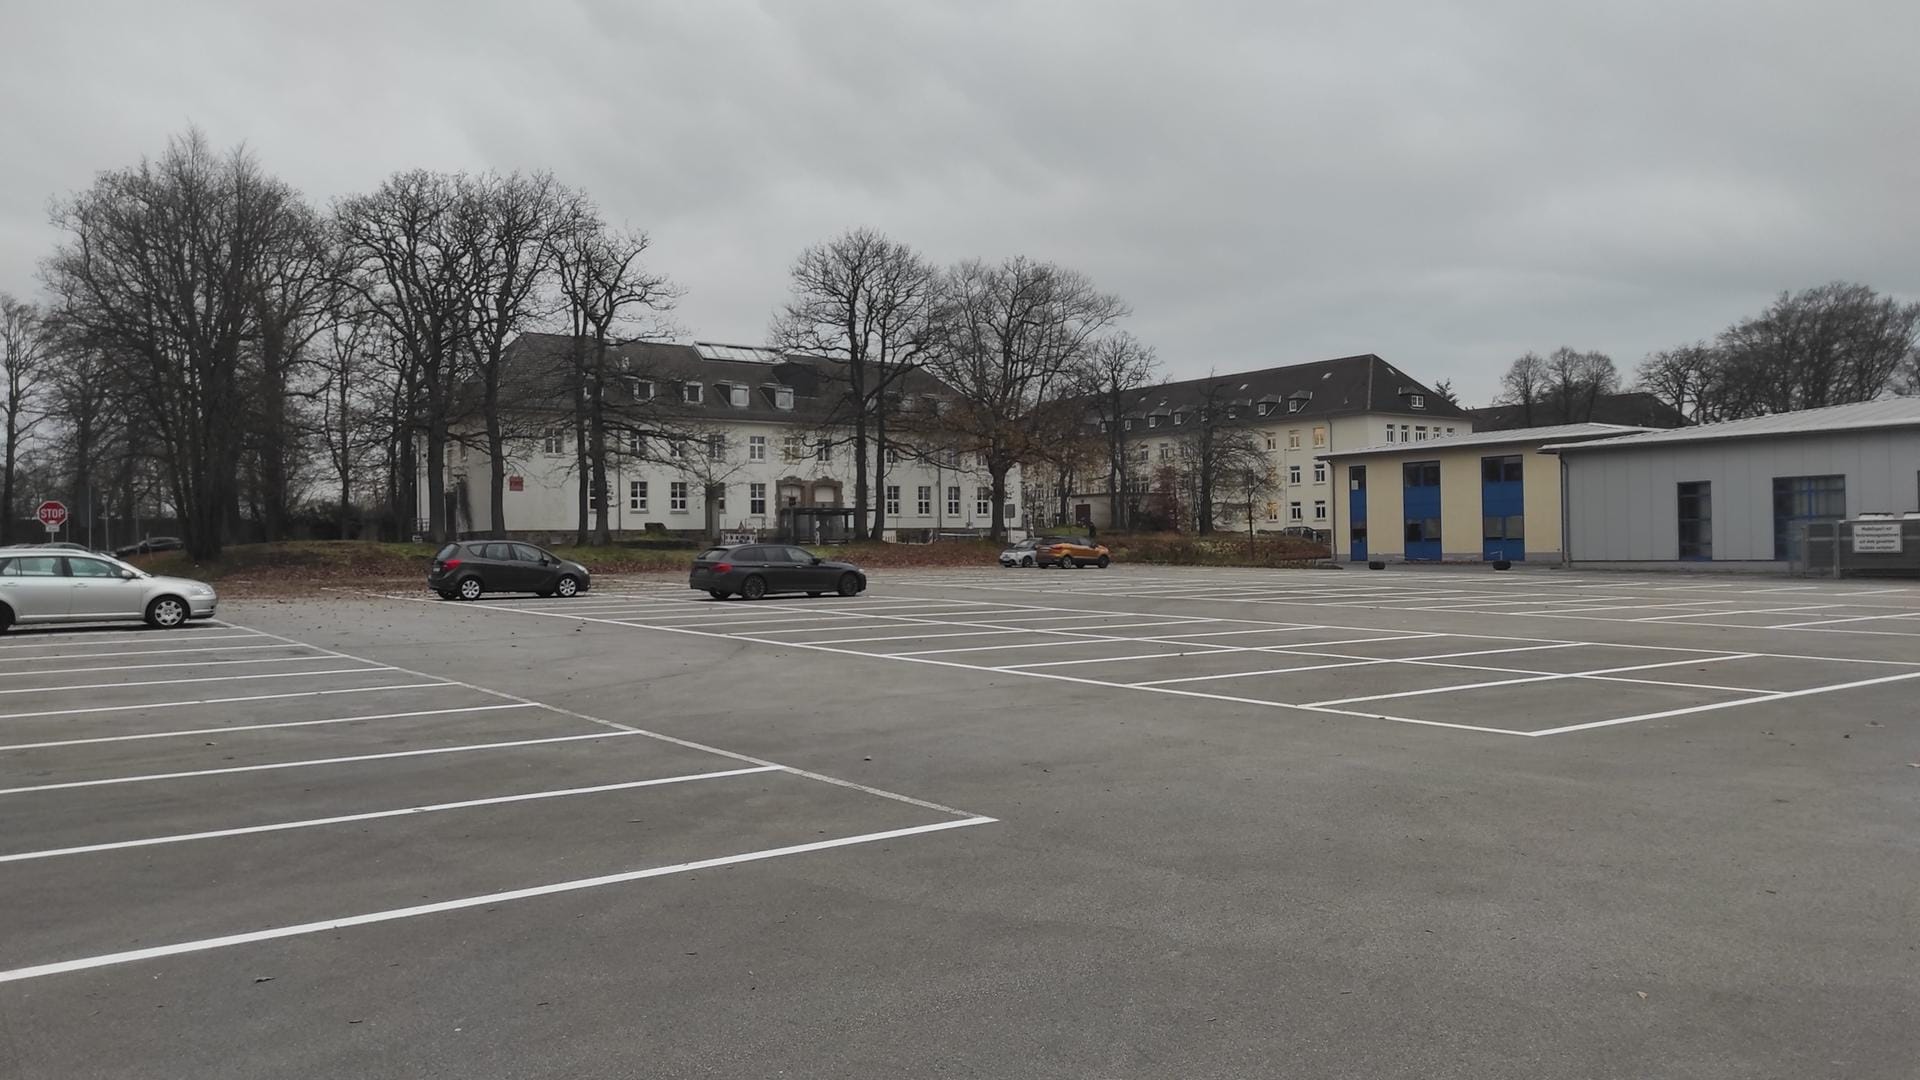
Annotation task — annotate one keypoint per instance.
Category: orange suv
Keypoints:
(1070, 553)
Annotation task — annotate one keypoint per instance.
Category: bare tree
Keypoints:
(610, 297)
(1010, 340)
(1523, 384)
(24, 353)
(862, 299)
(1576, 381)
(1117, 370)
(1680, 377)
(410, 264)
(1216, 449)
(161, 272)
(509, 226)
(1829, 345)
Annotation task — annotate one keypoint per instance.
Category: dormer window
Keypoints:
(1417, 401)
(690, 393)
(1129, 424)
(1295, 404)
(783, 398)
(1179, 418)
(1266, 408)
(737, 396)
(641, 389)
(1153, 421)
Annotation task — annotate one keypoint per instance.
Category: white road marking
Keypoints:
(91, 669)
(258, 727)
(1538, 678)
(118, 653)
(271, 765)
(436, 684)
(1779, 695)
(341, 819)
(205, 944)
(180, 682)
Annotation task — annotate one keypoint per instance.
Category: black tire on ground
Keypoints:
(469, 588)
(1068, 562)
(814, 594)
(718, 594)
(447, 594)
(1376, 565)
(1502, 564)
(568, 585)
(6, 618)
(1027, 562)
(1104, 562)
(849, 586)
(753, 588)
(167, 612)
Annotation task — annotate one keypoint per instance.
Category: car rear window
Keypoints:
(712, 555)
(447, 552)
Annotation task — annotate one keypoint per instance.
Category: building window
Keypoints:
(982, 463)
(1272, 443)
(1501, 470)
(1129, 423)
(1293, 439)
(924, 504)
(951, 458)
(1273, 511)
(823, 451)
(593, 499)
(690, 393)
(1166, 452)
(1696, 520)
(718, 493)
(1266, 408)
(1421, 473)
(893, 499)
(1319, 438)
(756, 448)
(1293, 474)
(783, 397)
(641, 389)
(676, 448)
(1418, 401)
(756, 498)
(953, 501)
(1420, 434)
(1449, 431)
(1389, 432)
(555, 441)
(1319, 509)
(1179, 418)
(1295, 405)
(1406, 434)
(1293, 510)
(716, 448)
(1153, 421)
(893, 456)
(1319, 472)
(982, 501)
(737, 396)
(794, 449)
(677, 496)
(1800, 499)
(636, 443)
(637, 495)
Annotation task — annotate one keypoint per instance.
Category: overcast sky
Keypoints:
(1447, 185)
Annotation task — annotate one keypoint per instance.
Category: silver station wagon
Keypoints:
(60, 585)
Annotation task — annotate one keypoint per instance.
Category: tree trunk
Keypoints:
(597, 444)
(998, 470)
(879, 477)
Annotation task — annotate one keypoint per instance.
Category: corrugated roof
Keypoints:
(1554, 433)
(1890, 412)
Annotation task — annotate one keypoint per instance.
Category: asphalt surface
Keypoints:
(1405, 824)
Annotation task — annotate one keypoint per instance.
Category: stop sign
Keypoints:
(52, 514)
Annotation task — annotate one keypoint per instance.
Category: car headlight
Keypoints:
(201, 590)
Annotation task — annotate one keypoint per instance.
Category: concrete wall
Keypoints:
(1623, 505)
(1460, 532)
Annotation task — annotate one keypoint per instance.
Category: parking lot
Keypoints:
(1136, 822)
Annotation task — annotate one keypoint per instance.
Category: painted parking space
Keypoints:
(212, 787)
(1240, 638)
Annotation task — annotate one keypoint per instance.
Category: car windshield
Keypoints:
(119, 565)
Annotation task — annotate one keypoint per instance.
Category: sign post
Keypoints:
(52, 514)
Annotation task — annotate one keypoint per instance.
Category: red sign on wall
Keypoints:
(516, 483)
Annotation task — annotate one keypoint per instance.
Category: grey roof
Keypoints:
(1892, 412)
(541, 377)
(1557, 433)
(1337, 387)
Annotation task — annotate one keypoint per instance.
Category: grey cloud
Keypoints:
(1446, 184)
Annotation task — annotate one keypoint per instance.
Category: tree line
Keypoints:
(1832, 344)
(214, 347)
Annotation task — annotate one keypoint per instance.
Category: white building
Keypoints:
(1299, 413)
(736, 431)
(1739, 491)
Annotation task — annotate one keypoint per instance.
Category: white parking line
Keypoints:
(435, 685)
(1779, 695)
(151, 667)
(204, 944)
(56, 639)
(116, 654)
(145, 778)
(260, 727)
(181, 682)
(1542, 678)
(341, 819)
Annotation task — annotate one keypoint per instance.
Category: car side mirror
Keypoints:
(817, 560)
(126, 575)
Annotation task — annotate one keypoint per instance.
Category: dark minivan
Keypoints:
(754, 570)
(466, 569)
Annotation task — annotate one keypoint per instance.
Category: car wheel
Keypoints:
(718, 594)
(568, 585)
(6, 618)
(469, 588)
(849, 585)
(1027, 562)
(754, 588)
(166, 612)
(1104, 562)
(1070, 563)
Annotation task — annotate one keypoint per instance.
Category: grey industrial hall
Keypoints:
(1739, 491)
